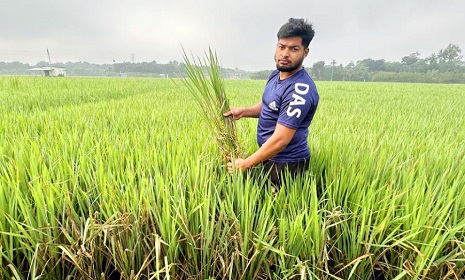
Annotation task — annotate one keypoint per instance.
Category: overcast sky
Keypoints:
(243, 33)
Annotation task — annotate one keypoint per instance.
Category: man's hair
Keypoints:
(297, 27)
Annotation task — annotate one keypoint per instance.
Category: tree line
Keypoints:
(126, 69)
(445, 66)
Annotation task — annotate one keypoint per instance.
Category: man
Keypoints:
(287, 108)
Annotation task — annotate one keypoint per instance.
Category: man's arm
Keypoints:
(281, 137)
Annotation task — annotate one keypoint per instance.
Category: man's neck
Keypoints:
(285, 75)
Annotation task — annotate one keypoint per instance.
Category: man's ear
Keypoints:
(306, 51)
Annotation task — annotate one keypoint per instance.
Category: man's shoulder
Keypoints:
(274, 74)
(303, 79)
(303, 76)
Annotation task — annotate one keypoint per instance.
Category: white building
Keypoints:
(50, 71)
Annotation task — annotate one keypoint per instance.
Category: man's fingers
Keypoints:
(230, 167)
(228, 113)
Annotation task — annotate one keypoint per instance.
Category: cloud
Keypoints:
(242, 32)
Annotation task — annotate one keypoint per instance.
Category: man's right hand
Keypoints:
(236, 112)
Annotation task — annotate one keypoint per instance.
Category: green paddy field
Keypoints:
(119, 178)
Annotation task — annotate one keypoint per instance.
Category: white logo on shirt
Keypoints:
(272, 106)
(300, 89)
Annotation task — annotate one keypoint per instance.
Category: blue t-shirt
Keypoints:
(291, 102)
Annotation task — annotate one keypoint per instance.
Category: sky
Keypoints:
(243, 33)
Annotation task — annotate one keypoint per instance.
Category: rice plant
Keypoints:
(206, 83)
(95, 184)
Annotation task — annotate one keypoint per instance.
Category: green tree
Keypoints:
(432, 61)
(361, 73)
(260, 75)
(349, 71)
(374, 65)
(394, 67)
(411, 58)
(333, 63)
(317, 69)
(420, 66)
(451, 54)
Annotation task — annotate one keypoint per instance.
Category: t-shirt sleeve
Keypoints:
(295, 105)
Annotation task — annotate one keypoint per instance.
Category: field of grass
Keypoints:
(119, 178)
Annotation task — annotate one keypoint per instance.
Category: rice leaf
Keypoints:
(206, 84)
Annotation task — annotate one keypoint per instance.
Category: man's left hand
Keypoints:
(237, 164)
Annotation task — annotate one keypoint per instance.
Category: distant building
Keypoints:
(50, 71)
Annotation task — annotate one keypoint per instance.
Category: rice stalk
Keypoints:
(206, 85)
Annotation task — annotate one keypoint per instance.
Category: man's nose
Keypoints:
(285, 53)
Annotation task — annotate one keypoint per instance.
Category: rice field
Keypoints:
(106, 178)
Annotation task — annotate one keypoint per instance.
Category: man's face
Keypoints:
(290, 54)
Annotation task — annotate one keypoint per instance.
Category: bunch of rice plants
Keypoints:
(206, 84)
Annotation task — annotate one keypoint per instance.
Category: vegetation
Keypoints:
(206, 84)
(444, 67)
(126, 69)
(119, 178)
